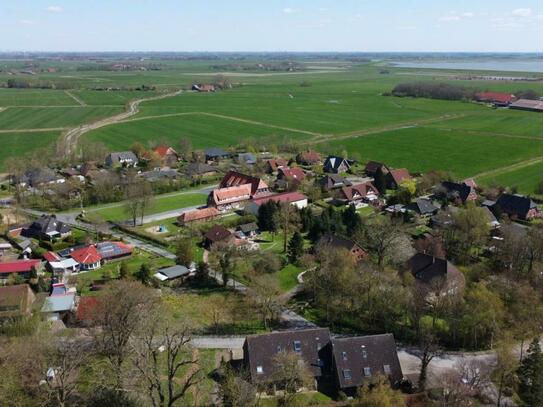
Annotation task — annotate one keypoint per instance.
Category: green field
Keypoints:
(526, 179)
(52, 117)
(423, 149)
(35, 97)
(18, 144)
(118, 98)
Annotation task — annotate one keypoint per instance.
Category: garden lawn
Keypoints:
(19, 144)
(423, 149)
(164, 204)
(526, 179)
(287, 277)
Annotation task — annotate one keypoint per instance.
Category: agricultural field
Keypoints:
(526, 179)
(52, 117)
(35, 97)
(16, 144)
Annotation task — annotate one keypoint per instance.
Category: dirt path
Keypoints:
(32, 130)
(511, 167)
(77, 99)
(71, 138)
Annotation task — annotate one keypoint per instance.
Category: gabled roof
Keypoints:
(218, 233)
(359, 359)
(333, 163)
(232, 194)
(18, 266)
(86, 255)
(285, 197)
(107, 250)
(234, 179)
(15, 300)
(198, 214)
(276, 163)
(528, 104)
(163, 151)
(48, 225)
(215, 152)
(426, 268)
(260, 350)
(295, 173)
(59, 303)
(424, 206)
(199, 169)
(358, 191)
(515, 204)
(51, 256)
(373, 166)
(309, 157)
(174, 272)
(248, 227)
(123, 156)
(334, 181)
(458, 189)
(399, 175)
(339, 242)
(495, 97)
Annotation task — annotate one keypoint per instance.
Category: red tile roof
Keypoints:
(235, 179)
(86, 255)
(18, 266)
(310, 157)
(198, 214)
(399, 175)
(277, 163)
(359, 190)
(496, 97)
(295, 173)
(51, 256)
(289, 197)
(232, 194)
(162, 151)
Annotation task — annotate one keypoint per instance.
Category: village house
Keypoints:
(197, 215)
(237, 189)
(215, 154)
(287, 177)
(59, 306)
(160, 174)
(423, 207)
(121, 159)
(459, 192)
(168, 155)
(336, 165)
(395, 177)
(246, 159)
(334, 181)
(47, 227)
(341, 243)
(110, 251)
(358, 360)
(308, 158)
(516, 207)
(218, 235)
(204, 87)
(499, 99)
(297, 199)
(373, 166)
(22, 268)
(195, 170)
(16, 301)
(436, 275)
(337, 364)
(247, 230)
(87, 257)
(60, 265)
(275, 164)
(37, 177)
(358, 194)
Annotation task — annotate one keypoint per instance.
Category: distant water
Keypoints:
(494, 65)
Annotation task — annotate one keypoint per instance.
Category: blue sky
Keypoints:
(271, 25)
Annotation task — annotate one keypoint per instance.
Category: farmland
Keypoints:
(525, 178)
(18, 144)
(330, 110)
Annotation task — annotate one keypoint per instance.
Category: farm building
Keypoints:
(200, 170)
(356, 194)
(16, 300)
(215, 154)
(336, 165)
(338, 243)
(197, 215)
(517, 207)
(436, 274)
(230, 197)
(122, 159)
(496, 98)
(204, 87)
(294, 198)
(395, 177)
(309, 157)
(218, 235)
(172, 273)
(527, 104)
(275, 164)
(22, 268)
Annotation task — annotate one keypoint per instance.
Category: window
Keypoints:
(364, 354)
(386, 368)
(344, 355)
(347, 374)
(278, 348)
(297, 346)
(367, 372)
(259, 370)
(320, 363)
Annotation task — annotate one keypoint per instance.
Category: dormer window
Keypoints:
(367, 372)
(364, 354)
(259, 369)
(386, 369)
(344, 355)
(347, 374)
(297, 346)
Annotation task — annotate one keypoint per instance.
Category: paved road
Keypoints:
(218, 342)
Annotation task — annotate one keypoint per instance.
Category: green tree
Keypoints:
(351, 219)
(530, 375)
(123, 270)
(267, 218)
(184, 252)
(295, 247)
(144, 274)
(380, 181)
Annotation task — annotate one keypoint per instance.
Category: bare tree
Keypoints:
(291, 373)
(160, 348)
(428, 350)
(266, 297)
(236, 389)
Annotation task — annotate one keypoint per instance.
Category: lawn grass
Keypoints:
(301, 399)
(526, 179)
(161, 204)
(423, 149)
(18, 144)
(287, 277)
(52, 117)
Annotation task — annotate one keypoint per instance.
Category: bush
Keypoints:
(267, 263)
(430, 90)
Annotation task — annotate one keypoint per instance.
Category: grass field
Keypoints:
(17, 144)
(526, 179)
(161, 204)
(35, 97)
(52, 117)
(119, 98)
(423, 149)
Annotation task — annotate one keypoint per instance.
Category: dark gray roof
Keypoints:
(248, 227)
(123, 156)
(174, 272)
(215, 153)
(247, 158)
(424, 206)
(426, 268)
(48, 224)
(457, 190)
(333, 163)
(199, 168)
(518, 205)
(359, 359)
(160, 174)
(260, 350)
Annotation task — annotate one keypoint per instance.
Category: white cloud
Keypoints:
(289, 10)
(27, 22)
(323, 9)
(406, 28)
(523, 12)
(468, 15)
(55, 9)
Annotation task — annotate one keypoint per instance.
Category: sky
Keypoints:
(272, 25)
